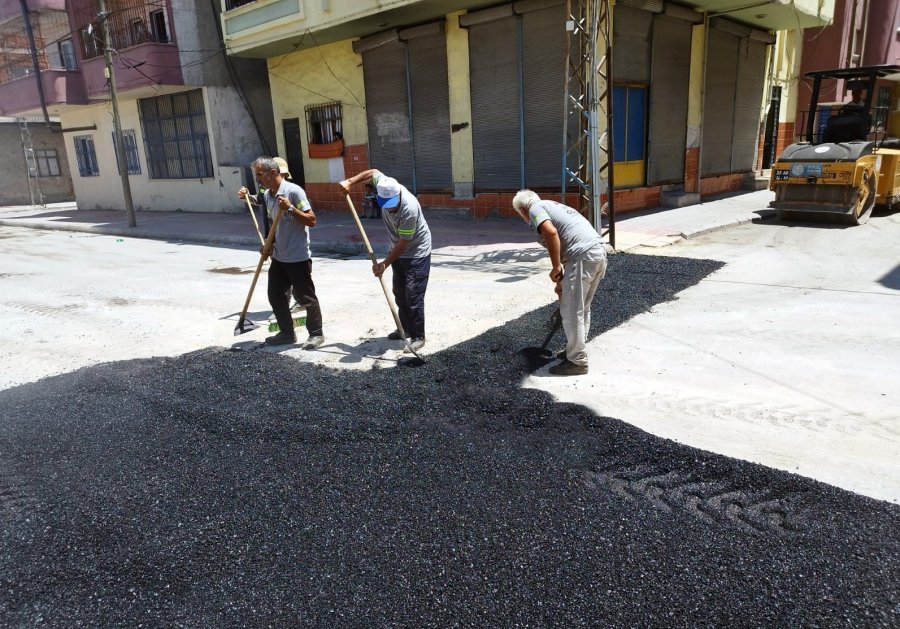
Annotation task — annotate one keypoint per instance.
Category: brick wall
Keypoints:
(13, 180)
(327, 196)
(786, 137)
(721, 184)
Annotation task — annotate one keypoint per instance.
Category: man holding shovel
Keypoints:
(578, 258)
(291, 264)
(258, 200)
(410, 254)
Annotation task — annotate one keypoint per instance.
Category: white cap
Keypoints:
(388, 190)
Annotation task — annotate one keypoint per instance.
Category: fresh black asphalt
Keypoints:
(221, 489)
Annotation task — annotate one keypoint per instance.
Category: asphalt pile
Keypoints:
(234, 489)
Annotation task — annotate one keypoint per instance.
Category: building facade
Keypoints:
(862, 33)
(463, 101)
(41, 177)
(192, 118)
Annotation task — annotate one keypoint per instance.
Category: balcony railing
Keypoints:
(233, 4)
(52, 41)
(130, 22)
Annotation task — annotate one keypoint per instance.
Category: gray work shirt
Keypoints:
(576, 234)
(292, 236)
(408, 223)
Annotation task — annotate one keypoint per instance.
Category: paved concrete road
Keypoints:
(219, 488)
(71, 300)
(788, 356)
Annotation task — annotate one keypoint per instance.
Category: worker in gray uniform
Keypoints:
(578, 261)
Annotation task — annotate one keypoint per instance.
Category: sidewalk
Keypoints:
(336, 232)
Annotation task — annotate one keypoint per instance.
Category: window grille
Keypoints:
(15, 47)
(175, 136)
(323, 123)
(131, 151)
(67, 54)
(86, 157)
(47, 162)
(233, 4)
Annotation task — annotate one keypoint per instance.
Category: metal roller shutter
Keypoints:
(387, 110)
(544, 59)
(430, 112)
(750, 85)
(631, 42)
(670, 78)
(718, 103)
(496, 109)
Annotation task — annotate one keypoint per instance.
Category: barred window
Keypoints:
(47, 162)
(175, 136)
(85, 155)
(67, 54)
(233, 4)
(323, 122)
(131, 151)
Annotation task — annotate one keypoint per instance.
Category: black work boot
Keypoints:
(284, 337)
(568, 368)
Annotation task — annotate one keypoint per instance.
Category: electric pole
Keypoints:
(121, 159)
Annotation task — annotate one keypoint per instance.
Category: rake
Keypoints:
(244, 325)
(362, 232)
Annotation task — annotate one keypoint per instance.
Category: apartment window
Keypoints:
(175, 136)
(131, 151)
(323, 122)
(233, 4)
(67, 54)
(92, 45)
(86, 156)
(882, 107)
(159, 27)
(137, 31)
(47, 162)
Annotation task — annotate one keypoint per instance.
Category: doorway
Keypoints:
(293, 149)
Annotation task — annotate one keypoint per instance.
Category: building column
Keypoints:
(788, 50)
(461, 152)
(695, 110)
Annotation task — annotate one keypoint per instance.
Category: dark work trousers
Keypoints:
(410, 282)
(265, 234)
(284, 275)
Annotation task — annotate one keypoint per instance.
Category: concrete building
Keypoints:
(192, 117)
(462, 100)
(862, 33)
(46, 179)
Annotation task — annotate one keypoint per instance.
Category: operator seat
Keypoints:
(851, 123)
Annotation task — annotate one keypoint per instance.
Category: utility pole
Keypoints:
(121, 159)
(588, 148)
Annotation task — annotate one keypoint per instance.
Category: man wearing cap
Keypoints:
(291, 257)
(410, 254)
(260, 201)
(578, 261)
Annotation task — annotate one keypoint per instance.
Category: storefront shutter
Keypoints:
(496, 108)
(544, 63)
(631, 43)
(719, 102)
(430, 111)
(387, 110)
(750, 84)
(670, 78)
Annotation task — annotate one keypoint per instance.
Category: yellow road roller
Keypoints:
(847, 163)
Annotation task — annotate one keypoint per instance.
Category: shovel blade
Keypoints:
(243, 326)
(536, 357)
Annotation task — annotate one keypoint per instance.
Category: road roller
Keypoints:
(848, 161)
